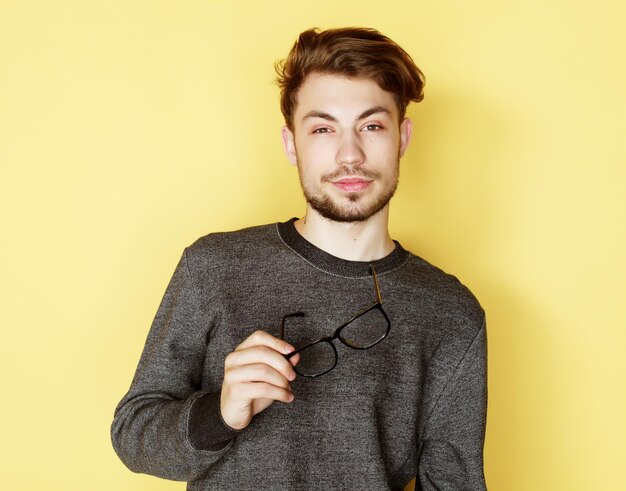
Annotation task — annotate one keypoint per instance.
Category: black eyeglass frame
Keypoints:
(377, 305)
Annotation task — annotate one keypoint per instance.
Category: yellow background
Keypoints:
(130, 128)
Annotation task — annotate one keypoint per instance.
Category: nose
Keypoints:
(350, 151)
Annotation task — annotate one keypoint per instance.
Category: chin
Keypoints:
(347, 213)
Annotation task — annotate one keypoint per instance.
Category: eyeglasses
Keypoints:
(366, 329)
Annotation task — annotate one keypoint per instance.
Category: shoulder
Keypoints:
(234, 240)
(439, 296)
(234, 248)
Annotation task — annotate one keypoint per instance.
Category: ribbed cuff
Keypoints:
(207, 430)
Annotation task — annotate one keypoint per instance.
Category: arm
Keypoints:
(451, 453)
(165, 425)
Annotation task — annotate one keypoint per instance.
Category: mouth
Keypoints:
(352, 184)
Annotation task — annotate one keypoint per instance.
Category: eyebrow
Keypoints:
(330, 117)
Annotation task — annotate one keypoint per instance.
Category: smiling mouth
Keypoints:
(352, 184)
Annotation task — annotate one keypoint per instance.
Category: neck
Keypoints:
(368, 240)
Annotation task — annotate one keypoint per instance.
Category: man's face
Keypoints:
(347, 144)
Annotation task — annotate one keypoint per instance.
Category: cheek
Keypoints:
(316, 152)
(382, 149)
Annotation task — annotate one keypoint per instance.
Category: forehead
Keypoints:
(341, 96)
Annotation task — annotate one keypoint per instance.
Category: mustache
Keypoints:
(349, 171)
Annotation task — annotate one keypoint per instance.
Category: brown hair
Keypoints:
(354, 52)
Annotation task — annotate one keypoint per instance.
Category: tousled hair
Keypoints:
(353, 52)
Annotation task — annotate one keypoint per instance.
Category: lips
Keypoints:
(352, 184)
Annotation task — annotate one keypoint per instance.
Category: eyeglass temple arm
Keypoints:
(378, 296)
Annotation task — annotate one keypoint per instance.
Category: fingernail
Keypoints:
(289, 349)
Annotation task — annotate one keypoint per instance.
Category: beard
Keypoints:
(352, 207)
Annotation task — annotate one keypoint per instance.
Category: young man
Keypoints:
(317, 353)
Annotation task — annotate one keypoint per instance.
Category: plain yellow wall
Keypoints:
(130, 128)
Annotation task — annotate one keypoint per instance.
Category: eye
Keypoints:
(322, 130)
(372, 127)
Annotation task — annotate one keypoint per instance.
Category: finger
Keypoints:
(262, 338)
(262, 390)
(261, 354)
(294, 359)
(258, 372)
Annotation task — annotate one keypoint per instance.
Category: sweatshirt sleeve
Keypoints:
(166, 425)
(451, 453)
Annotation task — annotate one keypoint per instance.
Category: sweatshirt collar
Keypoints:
(334, 265)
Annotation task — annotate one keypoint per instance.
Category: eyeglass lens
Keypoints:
(366, 330)
(317, 359)
(361, 333)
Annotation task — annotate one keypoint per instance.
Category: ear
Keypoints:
(406, 128)
(289, 145)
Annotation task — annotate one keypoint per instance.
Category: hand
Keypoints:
(255, 375)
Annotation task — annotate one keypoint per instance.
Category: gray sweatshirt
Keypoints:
(413, 405)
